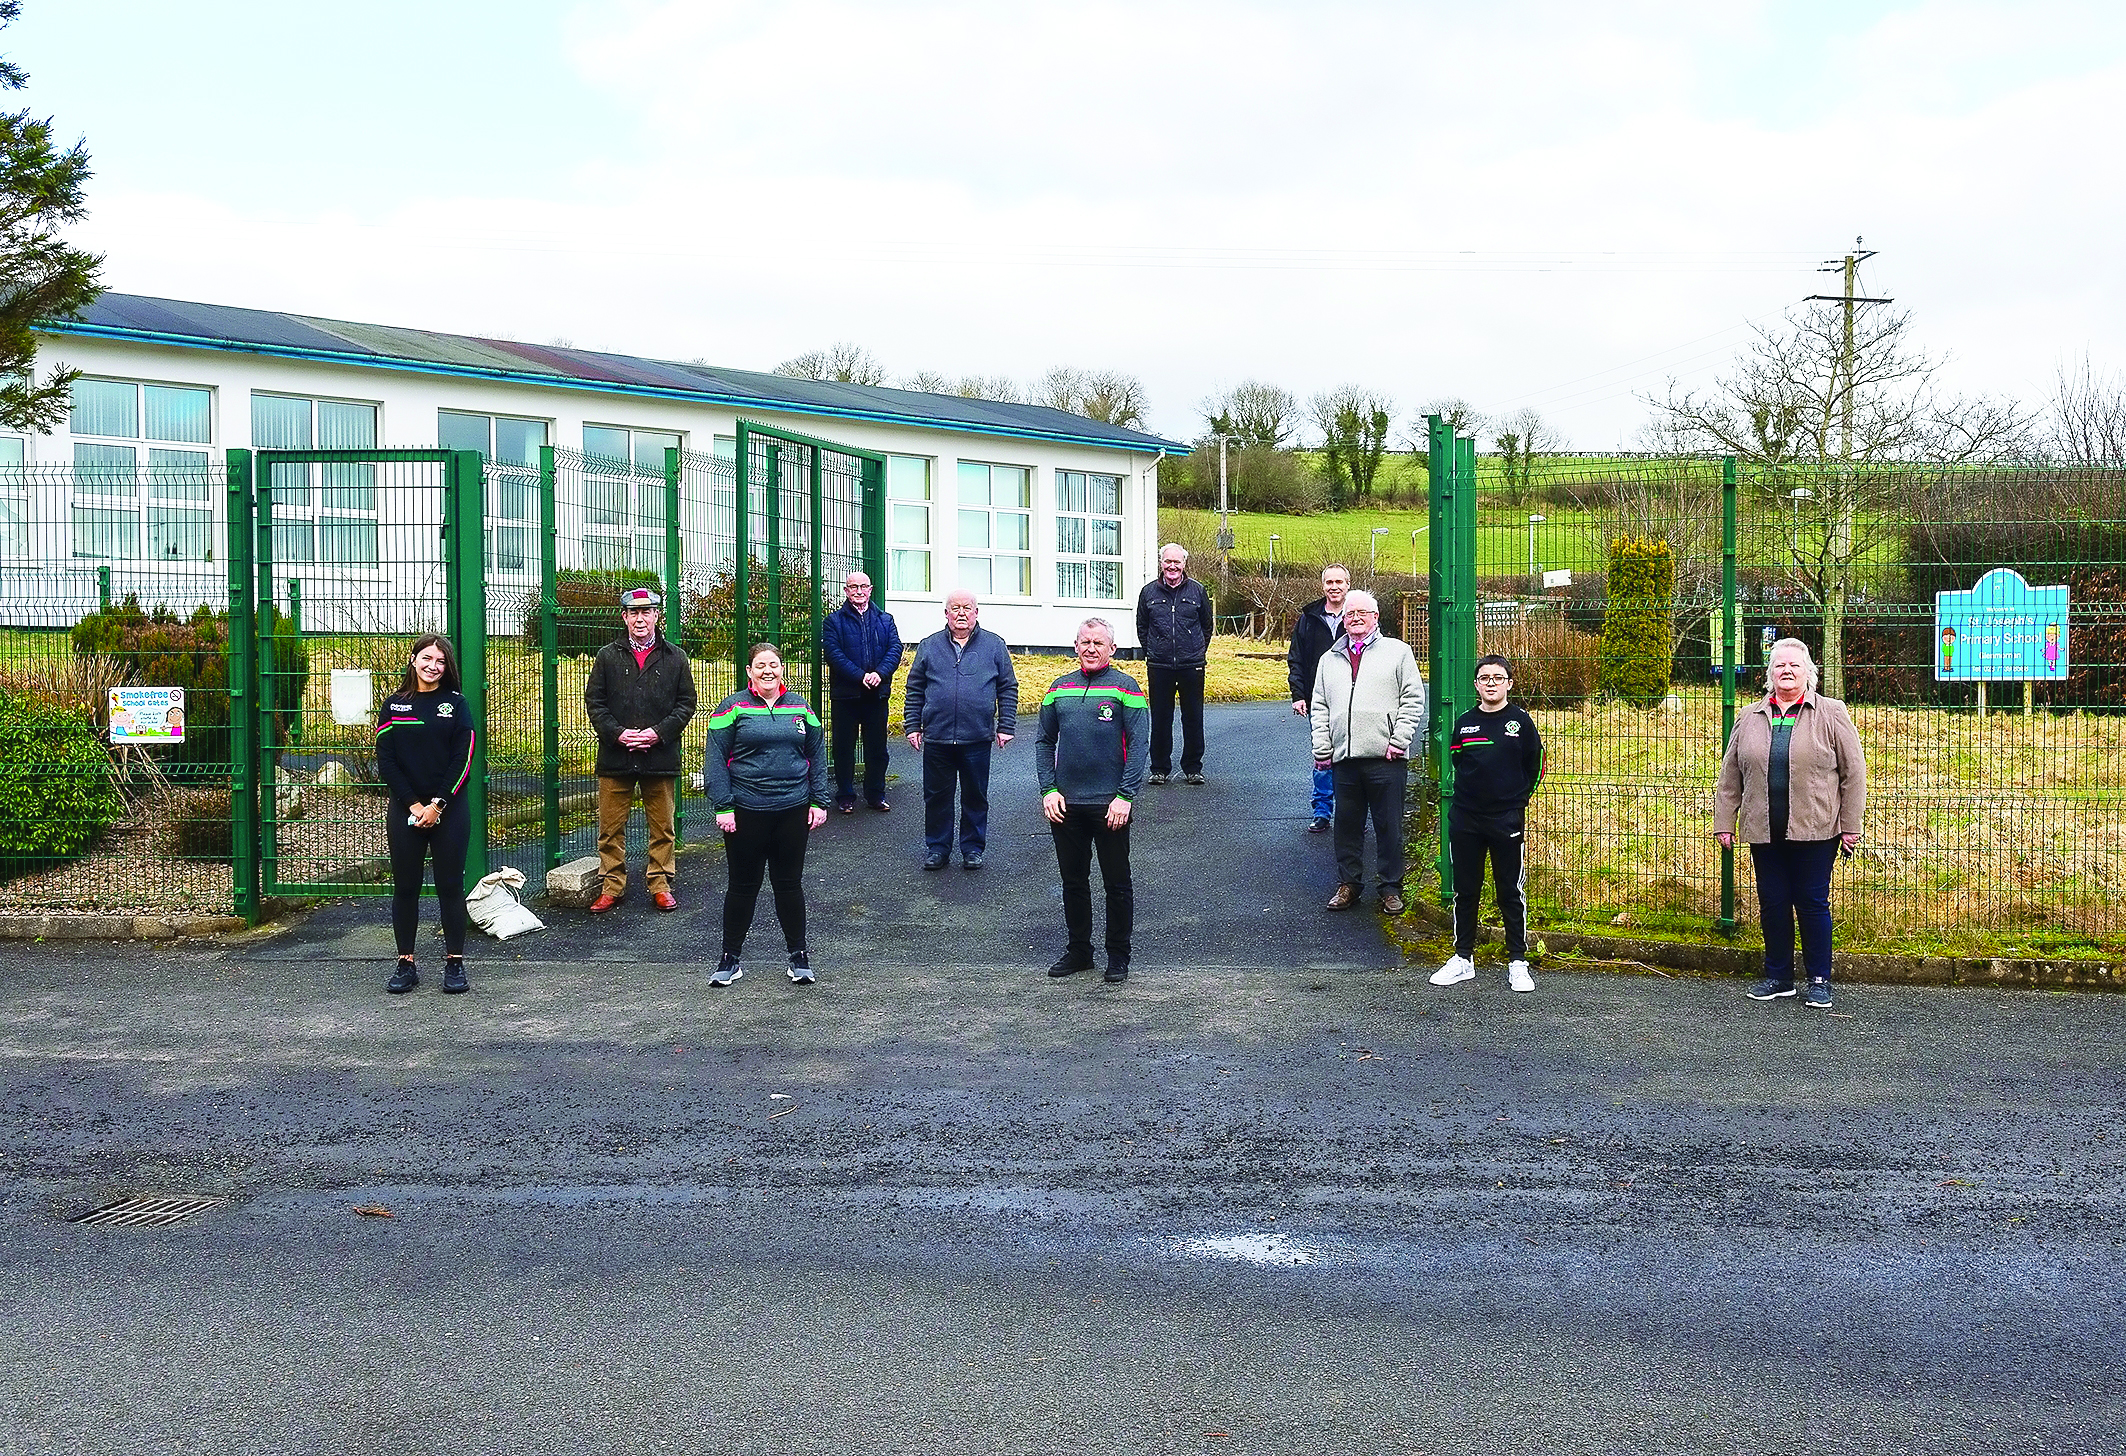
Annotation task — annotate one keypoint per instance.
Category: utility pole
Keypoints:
(1850, 267)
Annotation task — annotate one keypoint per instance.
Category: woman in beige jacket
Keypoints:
(1794, 787)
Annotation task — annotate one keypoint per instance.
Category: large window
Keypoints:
(14, 498)
(136, 492)
(624, 488)
(996, 529)
(1088, 535)
(512, 446)
(321, 513)
(907, 523)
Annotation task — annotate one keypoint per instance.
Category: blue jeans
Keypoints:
(1324, 793)
(1794, 883)
(955, 765)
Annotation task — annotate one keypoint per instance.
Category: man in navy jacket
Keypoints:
(863, 648)
(962, 699)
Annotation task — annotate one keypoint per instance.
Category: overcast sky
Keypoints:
(1550, 204)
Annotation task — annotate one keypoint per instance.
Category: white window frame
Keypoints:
(512, 540)
(143, 491)
(911, 526)
(984, 553)
(317, 513)
(14, 497)
(635, 535)
(1082, 525)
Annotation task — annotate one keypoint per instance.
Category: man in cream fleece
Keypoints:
(1368, 709)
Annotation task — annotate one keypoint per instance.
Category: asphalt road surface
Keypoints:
(1276, 1194)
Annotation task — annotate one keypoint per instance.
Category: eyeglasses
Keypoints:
(1494, 678)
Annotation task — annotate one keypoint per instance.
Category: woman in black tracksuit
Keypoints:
(424, 750)
(766, 773)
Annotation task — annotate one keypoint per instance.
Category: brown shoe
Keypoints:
(605, 902)
(1345, 897)
(664, 899)
(1391, 901)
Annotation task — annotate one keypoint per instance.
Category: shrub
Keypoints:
(711, 612)
(587, 608)
(1638, 629)
(1554, 666)
(56, 789)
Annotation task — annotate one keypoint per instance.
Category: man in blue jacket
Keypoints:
(962, 699)
(863, 649)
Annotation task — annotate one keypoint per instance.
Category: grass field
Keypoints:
(1569, 539)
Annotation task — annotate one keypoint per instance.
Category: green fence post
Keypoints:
(819, 577)
(466, 496)
(267, 746)
(103, 588)
(1439, 588)
(549, 662)
(874, 523)
(741, 615)
(243, 692)
(675, 622)
(1729, 670)
(771, 506)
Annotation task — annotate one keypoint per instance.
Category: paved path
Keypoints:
(938, 1200)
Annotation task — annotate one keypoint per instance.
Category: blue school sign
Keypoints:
(2002, 630)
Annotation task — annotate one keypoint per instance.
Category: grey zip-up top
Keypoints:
(1385, 704)
(765, 758)
(964, 696)
(1090, 747)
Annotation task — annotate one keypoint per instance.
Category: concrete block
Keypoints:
(575, 883)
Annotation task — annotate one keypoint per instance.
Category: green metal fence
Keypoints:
(1986, 827)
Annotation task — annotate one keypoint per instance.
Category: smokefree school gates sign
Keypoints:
(2002, 630)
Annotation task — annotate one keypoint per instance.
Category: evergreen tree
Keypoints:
(40, 276)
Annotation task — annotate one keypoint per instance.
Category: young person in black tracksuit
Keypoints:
(1498, 761)
(424, 749)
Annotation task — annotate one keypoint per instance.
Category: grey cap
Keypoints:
(640, 596)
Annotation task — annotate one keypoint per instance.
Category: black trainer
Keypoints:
(404, 979)
(1072, 963)
(1116, 971)
(801, 968)
(454, 981)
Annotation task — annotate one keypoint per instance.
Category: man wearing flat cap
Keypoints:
(640, 698)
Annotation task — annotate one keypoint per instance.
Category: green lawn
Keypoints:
(1564, 539)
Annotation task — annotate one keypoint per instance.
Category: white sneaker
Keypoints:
(1457, 970)
(1517, 976)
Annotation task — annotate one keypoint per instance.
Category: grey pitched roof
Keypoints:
(166, 321)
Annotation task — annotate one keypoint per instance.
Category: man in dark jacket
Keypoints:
(962, 698)
(1319, 625)
(1174, 628)
(640, 698)
(863, 648)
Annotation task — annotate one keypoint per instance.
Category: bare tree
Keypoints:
(1113, 398)
(1462, 418)
(1254, 413)
(1354, 435)
(1834, 399)
(846, 362)
(998, 387)
(1522, 437)
(927, 381)
(2088, 425)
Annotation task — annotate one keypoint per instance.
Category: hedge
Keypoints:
(1638, 629)
(56, 790)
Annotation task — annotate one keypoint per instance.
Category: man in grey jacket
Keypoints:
(1174, 628)
(962, 698)
(1368, 709)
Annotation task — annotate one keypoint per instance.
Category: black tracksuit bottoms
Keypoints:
(410, 850)
(1083, 831)
(1502, 847)
(770, 841)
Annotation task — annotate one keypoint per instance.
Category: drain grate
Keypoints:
(147, 1212)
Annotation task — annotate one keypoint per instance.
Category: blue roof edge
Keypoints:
(1151, 445)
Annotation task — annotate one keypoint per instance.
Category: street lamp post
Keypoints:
(1373, 549)
(1274, 539)
(1533, 522)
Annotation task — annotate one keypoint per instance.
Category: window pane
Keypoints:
(605, 443)
(10, 449)
(183, 415)
(349, 487)
(974, 484)
(605, 553)
(724, 447)
(179, 535)
(911, 526)
(106, 534)
(279, 424)
(907, 478)
(179, 475)
(1014, 532)
(1070, 578)
(1014, 575)
(517, 442)
(649, 503)
(1106, 579)
(1011, 485)
(1070, 535)
(513, 548)
(908, 571)
(649, 551)
(345, 426)
(605, 501)
(974, 575)
(14, 527)
(1103, 494)
(1070, 491)
(104, 470)
(104, 407)
(290, 485)
(974, 528)
(1107, 538)
(649, 450)
(348, 543)
(456, 431)
(514, 494)
(293, 541)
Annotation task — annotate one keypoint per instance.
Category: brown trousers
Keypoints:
(616, 800)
